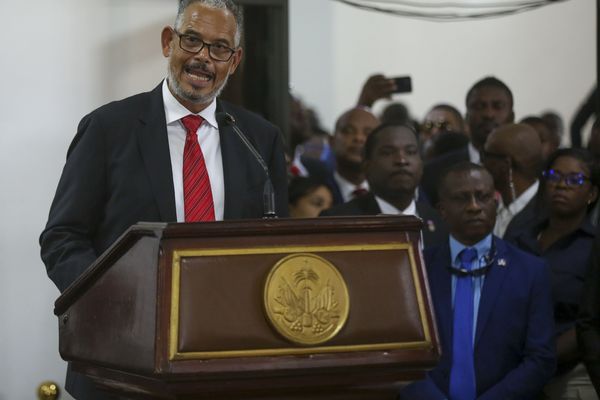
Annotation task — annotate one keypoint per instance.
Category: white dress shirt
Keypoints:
(474, 155)
(210, 144)
(387, 208)
(505, 214)
(347, 187)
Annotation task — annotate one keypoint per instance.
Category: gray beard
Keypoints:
(190, 96)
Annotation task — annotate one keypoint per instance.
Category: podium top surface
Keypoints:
(231, 228)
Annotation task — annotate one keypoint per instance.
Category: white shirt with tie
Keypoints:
(210, 144)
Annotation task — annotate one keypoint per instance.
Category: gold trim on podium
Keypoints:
(291, 250)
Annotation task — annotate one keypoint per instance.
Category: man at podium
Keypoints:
(176, 153)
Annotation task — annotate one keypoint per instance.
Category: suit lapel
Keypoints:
(492, 287)
(369, 204)
(440, 282)
(154, 149)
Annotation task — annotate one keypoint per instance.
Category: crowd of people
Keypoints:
(510, 219)
(486, 182)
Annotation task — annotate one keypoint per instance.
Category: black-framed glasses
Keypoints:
(572, 179)
(193, 44)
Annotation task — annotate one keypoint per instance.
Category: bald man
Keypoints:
(351, 131)
(513, 155)
(347, 180)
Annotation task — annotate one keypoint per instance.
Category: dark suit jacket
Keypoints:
(434, 229)
(118, 172)
(588, 325)
(530, 215)
(514, 340)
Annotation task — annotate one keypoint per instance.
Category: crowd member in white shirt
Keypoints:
(513, 155)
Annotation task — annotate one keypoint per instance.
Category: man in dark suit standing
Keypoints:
(513, 155)
(347, 180)
(165, 155)
(492, 302)
(393, 168)
(489, 105)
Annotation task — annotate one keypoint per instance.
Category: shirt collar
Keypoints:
(483, 247)
(346, 187)
(474, 155)
(174, 110)
(387, 208)
(520, 202)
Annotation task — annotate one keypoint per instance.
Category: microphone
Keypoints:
(224, 118)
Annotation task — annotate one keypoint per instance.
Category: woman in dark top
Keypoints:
(564, 239)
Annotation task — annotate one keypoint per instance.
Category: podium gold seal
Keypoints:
(306, 299)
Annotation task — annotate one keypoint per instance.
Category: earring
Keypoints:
(511, 184)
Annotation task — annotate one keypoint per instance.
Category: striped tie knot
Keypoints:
(191, 123)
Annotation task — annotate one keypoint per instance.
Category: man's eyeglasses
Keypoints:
(193, 44)
(573, 179)
(441, 125)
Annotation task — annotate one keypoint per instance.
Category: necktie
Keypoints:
(359, 191)
(462, 374)
(197, 195)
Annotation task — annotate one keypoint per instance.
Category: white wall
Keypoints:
(63, 58)
(546, 56)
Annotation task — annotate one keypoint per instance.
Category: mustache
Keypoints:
(198, 67)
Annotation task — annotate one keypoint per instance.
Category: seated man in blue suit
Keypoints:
(492, 302)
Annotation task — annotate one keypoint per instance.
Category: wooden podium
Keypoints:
(182, 311)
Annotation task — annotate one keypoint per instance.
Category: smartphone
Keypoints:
(403, 84)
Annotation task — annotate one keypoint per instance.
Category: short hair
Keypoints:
(463, 166)
(218, 4)
(371, 141)
(301, 186)
(448, 142)
(489, 81)
(451, 109)
(584, 156)
(395, 113)
(555, 122)
(532, 119)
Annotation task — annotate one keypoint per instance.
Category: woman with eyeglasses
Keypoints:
(564, 238)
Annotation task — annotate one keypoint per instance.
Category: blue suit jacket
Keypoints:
(514, 338)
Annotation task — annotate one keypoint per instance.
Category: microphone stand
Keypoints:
(268, 190)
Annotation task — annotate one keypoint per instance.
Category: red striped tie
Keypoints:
(197, 195)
